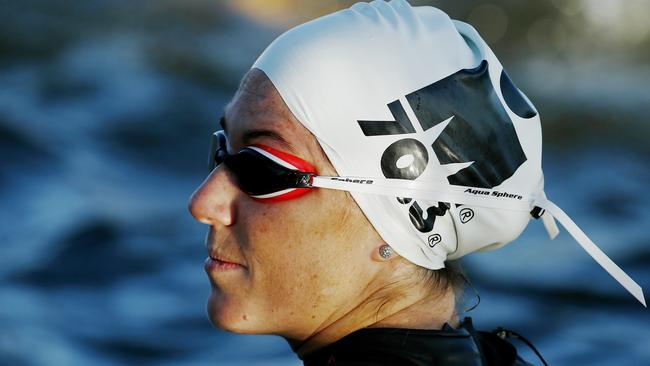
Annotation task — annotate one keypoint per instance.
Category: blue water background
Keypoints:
(105, 113)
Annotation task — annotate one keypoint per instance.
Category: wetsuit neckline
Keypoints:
(402, 346)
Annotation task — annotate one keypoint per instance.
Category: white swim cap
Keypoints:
(420, 105)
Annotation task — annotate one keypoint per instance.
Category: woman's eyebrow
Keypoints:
(251, 135)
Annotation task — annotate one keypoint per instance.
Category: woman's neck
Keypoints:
(410, 310)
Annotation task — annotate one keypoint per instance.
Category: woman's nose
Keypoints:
(213, 202)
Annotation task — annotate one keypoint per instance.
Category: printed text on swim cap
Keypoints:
(492, 193)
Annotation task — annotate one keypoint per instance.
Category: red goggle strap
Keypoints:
(288, 161)
(295, 162)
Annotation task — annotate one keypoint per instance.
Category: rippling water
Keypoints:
(104, 119)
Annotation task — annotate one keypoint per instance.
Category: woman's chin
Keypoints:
(228, 315)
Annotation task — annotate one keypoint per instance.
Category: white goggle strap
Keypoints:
(423, 190)
(592, 249)
(484, 198)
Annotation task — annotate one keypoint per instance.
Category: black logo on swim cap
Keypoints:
(426, 225)
(401, 125)
(404, 148)
(404, 200)
(466, 214)
(434, 239)
(514, 98)
(478, 130)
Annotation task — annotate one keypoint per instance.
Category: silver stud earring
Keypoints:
(385, 251)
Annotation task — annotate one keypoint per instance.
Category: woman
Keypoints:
(426, 151)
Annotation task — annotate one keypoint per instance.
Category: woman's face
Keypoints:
(304, 261)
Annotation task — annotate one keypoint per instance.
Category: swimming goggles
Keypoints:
(264, 173)
(270, 175)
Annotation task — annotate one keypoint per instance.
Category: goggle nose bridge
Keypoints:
(218, 150)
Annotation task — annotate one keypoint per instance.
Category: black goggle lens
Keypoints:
(256, 174)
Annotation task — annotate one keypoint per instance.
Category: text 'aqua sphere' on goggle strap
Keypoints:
(269, 175)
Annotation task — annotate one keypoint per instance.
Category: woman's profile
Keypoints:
(363, 153)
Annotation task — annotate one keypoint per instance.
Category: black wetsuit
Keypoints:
(418, 347)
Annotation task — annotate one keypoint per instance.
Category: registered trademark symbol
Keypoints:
(434, 239)
(466, 214)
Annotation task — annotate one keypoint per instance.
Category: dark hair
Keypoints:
(451, 277)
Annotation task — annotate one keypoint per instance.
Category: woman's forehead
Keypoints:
(257, 114)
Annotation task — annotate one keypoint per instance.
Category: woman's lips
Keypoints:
(213, 264)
